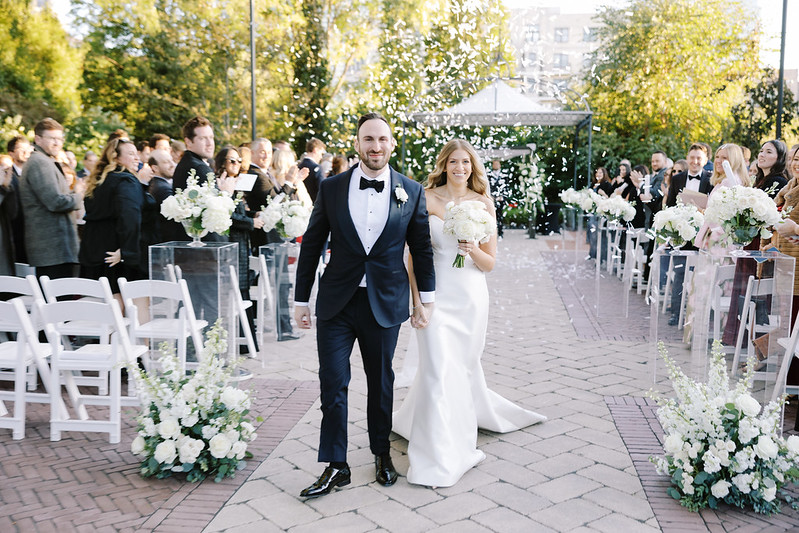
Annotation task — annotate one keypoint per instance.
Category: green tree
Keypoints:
(40, 67)
(755, 119)
(668, 72)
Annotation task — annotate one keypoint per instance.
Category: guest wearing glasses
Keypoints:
(51, 238)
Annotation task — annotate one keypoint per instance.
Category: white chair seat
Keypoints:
(8, 355)
(165, 327)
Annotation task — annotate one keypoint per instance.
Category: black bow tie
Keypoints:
(377, 185)
(694, 177)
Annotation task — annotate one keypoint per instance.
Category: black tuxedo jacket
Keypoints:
(314, 177)
(678, 184)
(386, 275)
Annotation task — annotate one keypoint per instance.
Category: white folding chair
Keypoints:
(240, 310)
(719, 303)
(172, 315)
(21, 354)
(748, 322)
(27, 289)
(264, 298)
(88, 358)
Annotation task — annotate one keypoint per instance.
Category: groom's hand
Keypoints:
(302, 315)
(421, 316)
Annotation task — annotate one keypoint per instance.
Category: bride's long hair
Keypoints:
(477, 181)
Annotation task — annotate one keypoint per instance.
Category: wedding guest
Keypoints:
(89, 162)
(709, 235)
(288, 177)
(19, 148)
(160, 141)
(314, 151)
(601, 184)
(771, 175)
(51, 239)
(339, 165)
(176, 149)
(114, 199)
(784, 237)
(622, 178)
(8, 208)
(633, 193)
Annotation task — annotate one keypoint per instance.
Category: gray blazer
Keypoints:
(50, 234)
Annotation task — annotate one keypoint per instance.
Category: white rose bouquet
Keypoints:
(615, 208)
(743, 213)
(570, 197)
(677, 225)
(289, 217)
(202, 209)
(196, 423)
(589, 200)
(469, 222)
(719, 446)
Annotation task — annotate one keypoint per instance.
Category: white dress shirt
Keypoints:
(693, 184)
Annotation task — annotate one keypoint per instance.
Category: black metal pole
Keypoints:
(782, 69)
(590, 136)
(252, 68)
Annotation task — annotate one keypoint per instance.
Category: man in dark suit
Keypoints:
(697, 180)
(364, 293)
(314, 150)
(19, 148)
(160, 188)
(258, 197)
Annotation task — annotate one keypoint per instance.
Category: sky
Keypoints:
(770, 15)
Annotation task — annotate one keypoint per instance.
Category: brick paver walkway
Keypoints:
(575, 472)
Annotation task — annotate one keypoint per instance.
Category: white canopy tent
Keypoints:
(500, 104)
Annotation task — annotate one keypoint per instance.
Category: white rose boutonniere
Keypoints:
(400, 195)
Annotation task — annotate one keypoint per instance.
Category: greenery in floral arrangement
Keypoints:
(719, 446)
(195, 423)
(201, 208)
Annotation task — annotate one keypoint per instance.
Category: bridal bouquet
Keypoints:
(719, 446)
(195, 424)
(289, 217)
(677, 225)
(615, 208)
(743, 213)
(468, 222)
(200, 208)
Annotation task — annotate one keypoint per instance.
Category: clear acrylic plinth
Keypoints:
(281, 262)
(572, 234)
(609, 263)
(206, 270)
(701, 297)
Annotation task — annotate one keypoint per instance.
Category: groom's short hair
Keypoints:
(372, 116)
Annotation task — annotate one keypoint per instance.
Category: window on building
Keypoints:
(588, 60)
(530, 59)
(590, 35)
(560, 61)
(561, 35)
(532, 34)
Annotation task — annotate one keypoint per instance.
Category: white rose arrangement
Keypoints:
(743, 213)
(202, 209)
(677, 225)
(468, 222)
(532, 187)
(615, 208)
(289, 217)
(195, 423)
(589, 200)
(719, 446)
(570, 197)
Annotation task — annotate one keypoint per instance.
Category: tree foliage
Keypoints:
(669, 71)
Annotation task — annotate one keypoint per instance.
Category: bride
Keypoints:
(449, 398)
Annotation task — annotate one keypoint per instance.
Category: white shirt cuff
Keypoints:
(301, 304)
(427, 297)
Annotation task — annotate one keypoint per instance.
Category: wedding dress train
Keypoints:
(449, 398)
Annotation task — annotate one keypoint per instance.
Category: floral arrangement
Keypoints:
(615, 208)
(570, 197)
(719, 446)
(743, 213)
(289, 217)
(532, 186)
(192, 423)
(200, 208)
(589, 200)
(468, 222)
(677, 225)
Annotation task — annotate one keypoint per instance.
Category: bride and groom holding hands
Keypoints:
(370, 213)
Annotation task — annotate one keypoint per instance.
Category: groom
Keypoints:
(369, 212)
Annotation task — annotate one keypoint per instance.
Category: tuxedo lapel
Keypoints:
(343, 212)
(394, 214)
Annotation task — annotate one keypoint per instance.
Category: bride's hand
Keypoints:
(421, 315)
(465, 248)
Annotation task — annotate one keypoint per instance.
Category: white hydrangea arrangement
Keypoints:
(615, 209)
(289, 217)
(195, 423)
(202, 209)
(719, 446)
(677, 225)
(743, 213)
(468, 222)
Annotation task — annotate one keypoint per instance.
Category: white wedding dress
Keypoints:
(449, 397)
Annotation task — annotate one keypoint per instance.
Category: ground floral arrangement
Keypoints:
(720, 446)
(196, 424)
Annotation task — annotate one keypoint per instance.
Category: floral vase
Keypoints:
(194, 232)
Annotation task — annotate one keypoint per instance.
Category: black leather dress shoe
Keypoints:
(385, 474)
(330, 478)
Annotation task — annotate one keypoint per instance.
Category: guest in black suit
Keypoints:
(263, 189)
(19, 148)
(114, 199)
(364, 292)
(314, 151)
(695, 179)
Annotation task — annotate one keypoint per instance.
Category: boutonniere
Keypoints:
(400, 195)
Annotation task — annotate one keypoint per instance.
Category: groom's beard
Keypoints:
(375, 164)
